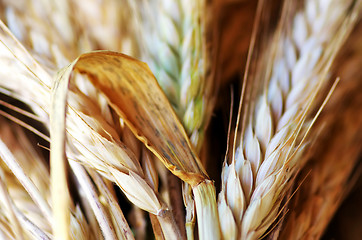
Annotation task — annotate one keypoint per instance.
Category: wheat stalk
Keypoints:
(266, 151)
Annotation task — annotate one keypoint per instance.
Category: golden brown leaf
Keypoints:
(133, 92)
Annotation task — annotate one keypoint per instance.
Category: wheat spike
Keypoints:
(176, 52)
(146, 111)
(45, 27)
(104, 141)
(25, 168)
(266, 150)
(92, 26)
(107, 18)
(100, 148)
(50, 28)
(331, 163)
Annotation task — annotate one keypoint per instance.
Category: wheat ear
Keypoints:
(101, 25)
(85, 23)
(266, 150)
(45, 27)
(177, 51)
(22, 167)
(50, 28)
(101, 138)
(177, 54)
(110, 18)
(334, 154)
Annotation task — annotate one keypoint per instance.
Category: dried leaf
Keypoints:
(133, 92)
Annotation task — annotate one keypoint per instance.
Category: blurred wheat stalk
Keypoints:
(110, 124)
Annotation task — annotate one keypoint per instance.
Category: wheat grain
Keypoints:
(266, 153)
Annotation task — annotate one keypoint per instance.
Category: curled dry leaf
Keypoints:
(133, 92)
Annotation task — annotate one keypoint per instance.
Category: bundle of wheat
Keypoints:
(115, 127)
